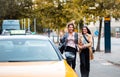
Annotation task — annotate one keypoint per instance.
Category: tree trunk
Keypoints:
(81, 25)
(99, 36)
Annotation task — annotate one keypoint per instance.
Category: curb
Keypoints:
(114, 63)
(117, 63)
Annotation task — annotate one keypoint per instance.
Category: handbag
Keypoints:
(93, 49)
(69, 56)
(61, 47)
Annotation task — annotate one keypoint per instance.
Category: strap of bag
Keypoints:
(85, 38)
(93, 41)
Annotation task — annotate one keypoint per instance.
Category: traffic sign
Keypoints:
(96, 32)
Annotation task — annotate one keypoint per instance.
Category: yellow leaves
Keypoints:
(116, 13)
(76, 10)
(117, 1)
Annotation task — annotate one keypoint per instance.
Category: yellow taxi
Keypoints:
(31, 56)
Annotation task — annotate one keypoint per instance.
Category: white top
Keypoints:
(71, 40)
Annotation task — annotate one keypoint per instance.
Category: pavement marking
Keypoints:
(99, 59)
(106, 63)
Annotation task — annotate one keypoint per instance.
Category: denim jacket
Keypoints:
(64, 39)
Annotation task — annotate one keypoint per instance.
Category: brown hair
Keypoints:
(71, 24)
(88, 30)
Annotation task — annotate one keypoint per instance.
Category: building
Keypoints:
(115, 27)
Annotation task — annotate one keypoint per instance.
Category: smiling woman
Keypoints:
(85, 45)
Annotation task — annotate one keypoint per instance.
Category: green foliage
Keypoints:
(57, 13)
(14, 9)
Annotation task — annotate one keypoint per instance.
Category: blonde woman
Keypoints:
(85, 46)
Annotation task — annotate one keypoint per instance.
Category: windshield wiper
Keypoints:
(17, 61)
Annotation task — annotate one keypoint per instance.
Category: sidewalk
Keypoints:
(113, 57)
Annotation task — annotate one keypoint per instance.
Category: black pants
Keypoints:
(73, 62)
(84, 63)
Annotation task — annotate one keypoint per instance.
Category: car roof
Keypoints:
(24, 37)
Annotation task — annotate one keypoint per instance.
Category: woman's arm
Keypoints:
(63, 40)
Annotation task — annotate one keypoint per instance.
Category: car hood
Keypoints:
(36, 69)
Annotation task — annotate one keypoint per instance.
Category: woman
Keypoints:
(85, 44)
(70, 40)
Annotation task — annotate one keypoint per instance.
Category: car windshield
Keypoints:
(26, 50)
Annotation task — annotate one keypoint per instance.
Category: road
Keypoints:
(100, 67)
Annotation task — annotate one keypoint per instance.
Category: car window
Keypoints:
(27, 50)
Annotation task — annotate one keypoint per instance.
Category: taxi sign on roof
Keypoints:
(17, 32)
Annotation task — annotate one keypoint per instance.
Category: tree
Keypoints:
(14, 9)
(105, 9)
(98, 9)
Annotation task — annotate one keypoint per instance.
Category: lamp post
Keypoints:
(35, 25)
(24, 24)
(29, 24)
(34, 6)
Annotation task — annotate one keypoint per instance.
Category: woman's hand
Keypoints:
(81, 46)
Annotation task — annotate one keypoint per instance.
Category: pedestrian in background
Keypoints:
(85, 46)
(70, 41)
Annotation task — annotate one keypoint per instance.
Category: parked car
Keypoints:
(11, 25)
(8, 25)
(31, 56)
